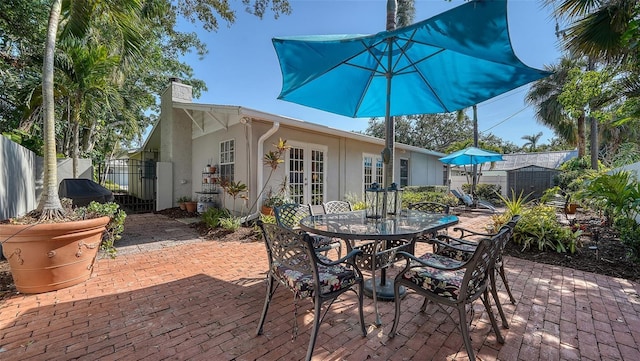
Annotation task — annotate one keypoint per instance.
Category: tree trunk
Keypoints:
(75, 148)
(581, 136)
(594, 147)
(49, 204)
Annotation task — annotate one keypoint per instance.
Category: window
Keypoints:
(227, 160)
(373, 170)
(404, 172)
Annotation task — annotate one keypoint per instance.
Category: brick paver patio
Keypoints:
(171, 296)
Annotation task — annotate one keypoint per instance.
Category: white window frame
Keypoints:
(227, 158)
(408, 171)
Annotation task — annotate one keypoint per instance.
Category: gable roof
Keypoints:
(550, 160)
(213, 117)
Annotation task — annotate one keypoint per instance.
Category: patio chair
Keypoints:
(289, 216)
(472, 203)
(449, 282)
(294, 263)
(430, 207)
(336, 207)
(466, 244)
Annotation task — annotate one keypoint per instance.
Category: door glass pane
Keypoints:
(317, 177)
(296, 174)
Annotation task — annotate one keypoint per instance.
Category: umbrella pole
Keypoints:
(387, 153)
(474, 181)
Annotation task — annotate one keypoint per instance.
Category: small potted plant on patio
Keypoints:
(190, 205)
(271, 201)
(181, 202)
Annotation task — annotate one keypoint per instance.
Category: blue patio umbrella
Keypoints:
(449, 62)
(470, 156)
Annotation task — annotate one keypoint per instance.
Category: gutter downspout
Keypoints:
(260, 155)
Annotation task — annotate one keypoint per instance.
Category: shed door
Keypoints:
(306, 169)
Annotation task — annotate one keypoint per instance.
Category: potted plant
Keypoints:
(190, 205)
(271, 201)
(181, 202)
(49, 256)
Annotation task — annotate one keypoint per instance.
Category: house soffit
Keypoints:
(208, 119)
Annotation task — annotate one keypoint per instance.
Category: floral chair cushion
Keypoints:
(332, 278)
(463, 254)
(441, 282)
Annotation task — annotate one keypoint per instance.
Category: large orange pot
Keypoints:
(51, 256)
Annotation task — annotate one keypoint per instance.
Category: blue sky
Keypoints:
(242, 68)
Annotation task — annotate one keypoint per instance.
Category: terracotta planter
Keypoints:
(51, 256)
(571, 208)
(191, 206)
(267, 211)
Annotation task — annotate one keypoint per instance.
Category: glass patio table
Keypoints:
(379, 239)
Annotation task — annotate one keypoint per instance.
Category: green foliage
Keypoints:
(115, 227)
(617, 195)
(271, 219)
(212, 216)
(629, 231)
(489, 192)
(230, 223)
(539, 228)
(516, 204)
(183, 199)
(427, 194)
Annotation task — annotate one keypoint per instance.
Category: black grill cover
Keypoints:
(83, 191)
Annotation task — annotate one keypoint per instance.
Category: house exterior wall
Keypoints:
(175, 143)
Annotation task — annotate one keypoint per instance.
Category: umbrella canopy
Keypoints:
(446, 63)
(470, 156)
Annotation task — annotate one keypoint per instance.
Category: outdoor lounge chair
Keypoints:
(466, 244)
(289, 216)
(449, 282)
(294, 263)
(472, 203)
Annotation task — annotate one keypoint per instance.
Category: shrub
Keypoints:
(211, 217)
(489, 192)
(539, 227)
(115, 227)
(230, 223)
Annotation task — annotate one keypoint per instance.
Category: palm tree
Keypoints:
(532, 141)
(123, 14)
(544, 95)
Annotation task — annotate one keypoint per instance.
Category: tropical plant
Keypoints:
(544, 95)
(539, 227)
(532, 141)
(230, 223)
(235, 190)
(212, 216)
(114, 228)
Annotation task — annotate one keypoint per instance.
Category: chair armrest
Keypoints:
(448, 239)
(351, 255)
(471, 233)
(440, 243)
(417, 262)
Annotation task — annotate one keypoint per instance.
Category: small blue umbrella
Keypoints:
(470, 156)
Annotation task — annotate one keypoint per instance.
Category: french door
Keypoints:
(306, 173)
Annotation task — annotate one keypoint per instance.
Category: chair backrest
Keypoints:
(288, 248)
(430, 207)
(464, 199)
(482, 262)
(289, 215)
(316, 209)
(336, 207)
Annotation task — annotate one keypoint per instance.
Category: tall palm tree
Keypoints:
(532, 141)
(123, 15)
(544, 95)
